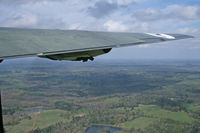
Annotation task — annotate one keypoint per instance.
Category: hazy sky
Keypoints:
(168, 16)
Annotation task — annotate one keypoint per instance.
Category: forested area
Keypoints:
(138, 96)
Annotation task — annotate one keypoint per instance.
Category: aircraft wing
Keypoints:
(70, 44)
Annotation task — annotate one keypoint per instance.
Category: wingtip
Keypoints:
(181, 36)
(171, 36)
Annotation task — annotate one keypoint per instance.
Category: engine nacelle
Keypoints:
(77, 56)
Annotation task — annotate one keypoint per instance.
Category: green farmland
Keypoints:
(41, 96)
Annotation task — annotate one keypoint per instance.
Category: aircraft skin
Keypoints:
(74, 45)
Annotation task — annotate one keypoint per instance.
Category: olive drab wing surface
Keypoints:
(72, 45)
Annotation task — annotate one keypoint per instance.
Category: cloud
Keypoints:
(140, 27)
(187, 30)
(77, 26)
(186, 13)
(29, 20)
(51, 14)
(19, 2)
(122, 2)
(51, 23)
(118, 2)
(126, 2)
(148, 14)
(111, 25)
(84, 15)
(102, 9)
(21, 20)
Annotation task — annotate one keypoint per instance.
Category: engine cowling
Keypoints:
(77, 56)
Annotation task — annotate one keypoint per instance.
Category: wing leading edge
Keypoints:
(70, 44)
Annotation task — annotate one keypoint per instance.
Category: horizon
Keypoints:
(31, 60)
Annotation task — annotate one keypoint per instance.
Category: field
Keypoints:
(41, 96)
